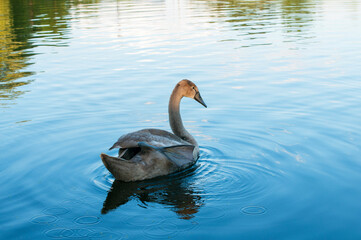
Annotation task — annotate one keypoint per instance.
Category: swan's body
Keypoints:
(150, 153)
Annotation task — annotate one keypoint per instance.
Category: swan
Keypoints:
(150, 153)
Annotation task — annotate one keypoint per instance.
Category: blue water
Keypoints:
(280, 140)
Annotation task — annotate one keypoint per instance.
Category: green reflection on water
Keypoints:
(26, 24)
(12, 59)
(254, 19)
(297, 17)
(22, 21)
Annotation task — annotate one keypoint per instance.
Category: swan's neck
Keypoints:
(175, 119)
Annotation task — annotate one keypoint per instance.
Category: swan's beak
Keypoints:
(199, 99)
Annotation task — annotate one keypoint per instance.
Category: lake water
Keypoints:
(280, 140)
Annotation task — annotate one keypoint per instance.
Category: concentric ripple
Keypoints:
(186, 191)
(56, 211)
(254, 210)
(102, 179)
(70, 233)
(44, 219)
(162, 230)
(87, 220)
(239, 179)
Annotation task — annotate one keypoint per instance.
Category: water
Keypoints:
(280, 139)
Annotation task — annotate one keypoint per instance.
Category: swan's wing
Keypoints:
(153, 137)
(116, 145)
(180, 155)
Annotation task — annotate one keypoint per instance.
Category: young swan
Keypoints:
(150, 153)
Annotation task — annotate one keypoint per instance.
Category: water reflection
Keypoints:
(241, 13)
(25, 24)
(179, 194)
(47, 20)
(254, 20)
(12, 60)
(297, 17)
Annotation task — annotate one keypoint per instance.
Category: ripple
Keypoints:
(44, 219)
(77, 233)
(210, 152)
(162, 230)
(55, 233)
(211, 212)
(105, 234)
(56, 211)
(239, 179)
(74, 233)
(169, 228)
(253, 210)
(143, 221)
(184, 226)
(102, 179)
(87, 220)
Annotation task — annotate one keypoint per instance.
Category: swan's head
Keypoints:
(189, 89)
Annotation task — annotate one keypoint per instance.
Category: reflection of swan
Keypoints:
(178, 193)
(150, 153)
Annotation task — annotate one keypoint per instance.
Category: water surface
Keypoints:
(280, 140)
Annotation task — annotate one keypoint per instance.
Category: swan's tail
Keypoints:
(121, 169)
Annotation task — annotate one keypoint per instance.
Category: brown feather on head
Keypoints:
(189, 89)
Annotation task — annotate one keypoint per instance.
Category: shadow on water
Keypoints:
(25, 24)
(176, 191)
